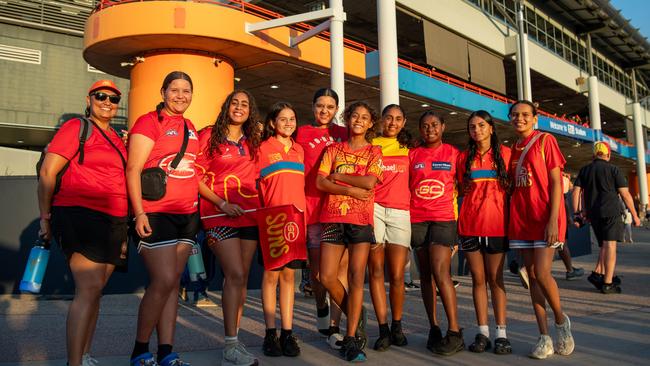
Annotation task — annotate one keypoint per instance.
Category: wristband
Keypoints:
(137, 215)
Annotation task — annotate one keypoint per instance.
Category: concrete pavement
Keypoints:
(609, 329)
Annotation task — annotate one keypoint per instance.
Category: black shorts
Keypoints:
(608, 228)
(170, 229)
(347, 234)
(96, 235)
(428, 233)
(221, 233)
(486, 244)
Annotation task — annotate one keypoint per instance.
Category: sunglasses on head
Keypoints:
(101, 96)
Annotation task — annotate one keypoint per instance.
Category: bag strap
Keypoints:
(530, 143)
(181, 153)
(111, 143)
(85, 130)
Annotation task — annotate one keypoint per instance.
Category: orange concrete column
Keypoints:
(212, 76)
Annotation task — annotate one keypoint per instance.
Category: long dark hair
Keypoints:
(404, 137)
(472, 147)
(174, 75)
(347, 114)
(275, 110)
(220, 129)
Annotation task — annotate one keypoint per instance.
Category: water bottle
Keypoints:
(195, 264)
(36, 266)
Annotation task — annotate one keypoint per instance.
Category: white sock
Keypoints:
(230, 340)
(501, 331)
(485, 330)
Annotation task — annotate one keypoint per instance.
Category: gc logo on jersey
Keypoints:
(430, 189)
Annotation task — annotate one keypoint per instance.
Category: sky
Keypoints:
(638, 11)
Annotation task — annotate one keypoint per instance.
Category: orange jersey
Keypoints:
(484, 211)
(432, 182)
(281, 174)
(393, 191)
(230, 175)
(339, 158)
(531, 199)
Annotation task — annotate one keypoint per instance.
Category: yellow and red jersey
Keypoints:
(432, 182)
(231, 175)
(530, 203)
(340, 158)
(281, 174)
(393, 191)
(181, 196)
(484, 211)
(314, 140)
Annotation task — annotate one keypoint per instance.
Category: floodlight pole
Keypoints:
(525, 91)
(593, 97)
(388, 69)
(639, 141)
(336, 16)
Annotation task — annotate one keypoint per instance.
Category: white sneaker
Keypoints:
(543, 348)
(236, 355)
(335, 341)
(88, 360)
(565, 344)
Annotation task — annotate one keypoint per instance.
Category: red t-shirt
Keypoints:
(432, 183)
(314, 140)
(99, 183)
(181, 196)
(230, 175)
(484, 211)
(531, 199)
(339, 158)
(393, 191)
(282, 174)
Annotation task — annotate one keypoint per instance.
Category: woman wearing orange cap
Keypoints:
(83, 205)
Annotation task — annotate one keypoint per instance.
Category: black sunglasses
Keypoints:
(100, 96)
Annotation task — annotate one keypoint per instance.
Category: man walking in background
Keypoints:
(602, 183)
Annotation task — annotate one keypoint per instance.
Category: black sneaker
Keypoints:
(481, 344)
(351, 351)
(611, 288)
(397, 336)
(290, 347)
(513, 267)
(382, 343)
(502, 346)
(451, 344)
(271, 345)
(361, 336)
(435, 337)
(596, 279)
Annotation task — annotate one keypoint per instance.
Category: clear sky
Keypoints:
(638, 11)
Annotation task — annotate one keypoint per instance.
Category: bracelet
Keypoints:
(222, 204)
(47, 216)
(140, 214)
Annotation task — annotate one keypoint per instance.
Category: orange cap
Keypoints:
(104, 84)
(601, 148)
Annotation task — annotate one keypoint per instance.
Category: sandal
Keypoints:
(481, 343)
(502, 346)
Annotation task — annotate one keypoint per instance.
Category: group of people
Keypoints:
(371, 194)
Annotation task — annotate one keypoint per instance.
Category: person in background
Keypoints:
(88, 214)
(571, 272)
(627, 236)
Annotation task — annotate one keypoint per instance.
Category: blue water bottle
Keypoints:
(195, 264)
(36, 266)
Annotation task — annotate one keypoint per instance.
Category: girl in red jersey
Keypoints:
(432, 173)
(392, 227)
(538, 222)
(482, 224)
(89, 212)
(348, 174)
(226, 165)
(281, 182)
(167, 227)
(314, 139)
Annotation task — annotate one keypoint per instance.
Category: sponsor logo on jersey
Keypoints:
(441, 165)
(185, 168)
(418, 166)
(171, 132)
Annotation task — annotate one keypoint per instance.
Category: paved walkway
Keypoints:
(609, 329)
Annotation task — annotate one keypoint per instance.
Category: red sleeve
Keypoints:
(374, 165)
(325, 168)
(506, 155)
(551, 151)
(66, 140)
(460, 166)
(202, 162)
(146, 125)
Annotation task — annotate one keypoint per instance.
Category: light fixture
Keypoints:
(604, 122)
(453, 113)
(424, 105)
(237, 79)
(274, 86)
(577, 144)
(624, 130)
(569, 156)
(505, 141)
(560, 104)
(20, 142)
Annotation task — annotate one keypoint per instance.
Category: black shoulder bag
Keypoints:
(153, 181)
